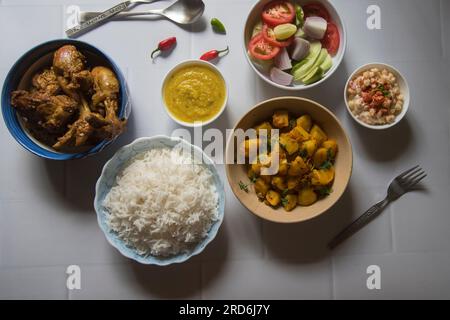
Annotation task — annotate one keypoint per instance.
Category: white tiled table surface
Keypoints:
(46, 217)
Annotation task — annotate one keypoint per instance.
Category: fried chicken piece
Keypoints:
(46, 82)
(106, 88)
(67, 61)
(83, 129)
(69, 65)
(59, 111)
(106, 85)
(26, 103)
(51, 113)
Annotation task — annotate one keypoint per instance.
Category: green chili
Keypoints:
(218, 25)
(299, 16)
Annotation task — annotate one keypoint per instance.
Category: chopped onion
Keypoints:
(299, 49)
(315, 27)
(282, 60)
(280, 77)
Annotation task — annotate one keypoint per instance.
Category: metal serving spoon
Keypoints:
(181, 12)
(103, 16)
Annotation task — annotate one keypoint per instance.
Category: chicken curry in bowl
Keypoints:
(70, 104)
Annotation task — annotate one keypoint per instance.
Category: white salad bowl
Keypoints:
(255, 15)
(404, 89)
(108, 179)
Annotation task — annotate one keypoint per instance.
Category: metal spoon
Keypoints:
(103, 16)
(181, 12)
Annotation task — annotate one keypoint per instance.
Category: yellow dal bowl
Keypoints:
(173, 73)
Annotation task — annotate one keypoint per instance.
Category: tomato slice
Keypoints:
(316, 9)
(261, 49)
(331, 40)
(269, 36)
(278, 12)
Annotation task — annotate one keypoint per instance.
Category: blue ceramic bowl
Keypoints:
(108, 179)
(19, 77)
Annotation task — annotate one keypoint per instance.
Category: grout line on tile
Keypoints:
(65, 179)
(202, 266)
(33, 5)
(441, 20)
(391, 220)
(265, 255)
(64, 265)
(332, 284)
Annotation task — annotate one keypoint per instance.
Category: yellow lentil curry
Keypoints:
(194, 93)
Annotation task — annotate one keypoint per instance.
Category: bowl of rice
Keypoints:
(159, 200)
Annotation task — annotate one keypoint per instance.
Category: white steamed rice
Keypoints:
(162, 204)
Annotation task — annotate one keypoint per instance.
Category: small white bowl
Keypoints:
(254, 16)
(194, 62)
(404, 89)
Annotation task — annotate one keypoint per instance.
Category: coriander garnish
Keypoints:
(323, 192)
(243, 186)
(383, 90)
(292, 124)
(328, 163)
(303, 153)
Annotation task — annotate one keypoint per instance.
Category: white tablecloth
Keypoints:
(47, 221)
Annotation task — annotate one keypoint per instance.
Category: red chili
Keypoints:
(213, 54)
(165, 45)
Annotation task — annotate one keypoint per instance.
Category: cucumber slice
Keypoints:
(320, 59)
(314, 49)
(320, 67)
(327, 64)
(305, 65)
(307, 68)
(315, 75)
(298, 66)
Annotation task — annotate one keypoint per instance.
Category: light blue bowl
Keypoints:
(20, 76)
(108, 179)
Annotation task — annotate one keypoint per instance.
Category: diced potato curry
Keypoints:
(306, 167)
